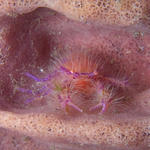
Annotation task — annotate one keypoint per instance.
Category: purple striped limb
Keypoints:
(91, 74)
(76, 74)
(45, 91)
(95, 107)
(25, 90)
(101, 106)
(63, 69)
(28, 92)
(32, 77)
(42, 92)
(68, 102)
(38, 79)
(73, 105)
(29, 100)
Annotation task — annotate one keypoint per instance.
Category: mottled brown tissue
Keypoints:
(26, 130)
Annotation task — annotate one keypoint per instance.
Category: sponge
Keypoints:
(120, 12)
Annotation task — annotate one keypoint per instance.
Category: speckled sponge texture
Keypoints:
(33, 41)
(13, 7)
(123, 12)
(112, 12)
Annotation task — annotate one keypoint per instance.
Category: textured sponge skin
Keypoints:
(112, 12)
(11, 7)
(123, 12)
